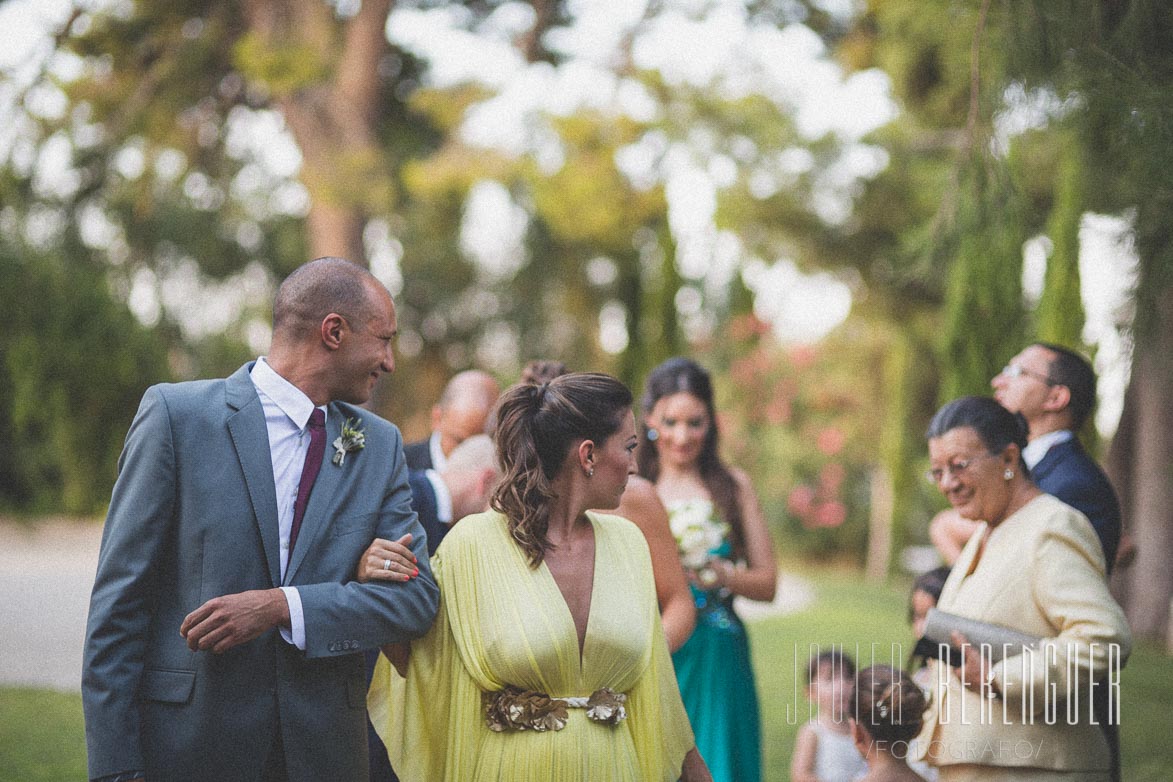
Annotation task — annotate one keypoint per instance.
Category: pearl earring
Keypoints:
(1008, 474)
(591, 473)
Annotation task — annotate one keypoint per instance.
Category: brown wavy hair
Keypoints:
(674, 376)
(537, 425)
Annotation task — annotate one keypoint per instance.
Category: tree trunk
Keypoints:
(1151, 477)
(1118, 465)
(333, 120)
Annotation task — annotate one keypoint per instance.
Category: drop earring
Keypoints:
(1008, 474)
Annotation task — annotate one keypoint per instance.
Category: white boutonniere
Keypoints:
(352, 439)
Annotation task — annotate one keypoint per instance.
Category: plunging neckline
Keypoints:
(586, 631)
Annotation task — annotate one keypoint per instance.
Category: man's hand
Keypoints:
(230, 620)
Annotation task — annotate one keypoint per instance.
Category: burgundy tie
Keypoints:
(313, 463)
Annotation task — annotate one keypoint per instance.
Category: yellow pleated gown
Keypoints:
(503, 623)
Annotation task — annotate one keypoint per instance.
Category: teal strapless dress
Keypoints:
(716, 681)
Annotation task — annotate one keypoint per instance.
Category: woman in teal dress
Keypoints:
(726, 551)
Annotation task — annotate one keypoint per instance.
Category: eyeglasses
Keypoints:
(955, 468)
(1014, 370)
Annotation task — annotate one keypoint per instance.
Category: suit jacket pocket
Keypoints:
(169, 686)
(351, 525)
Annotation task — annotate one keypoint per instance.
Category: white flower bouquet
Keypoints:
(697, 533)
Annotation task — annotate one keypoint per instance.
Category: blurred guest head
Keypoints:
(464, 407)
(470, 474)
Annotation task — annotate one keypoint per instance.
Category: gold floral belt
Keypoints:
(516, 709)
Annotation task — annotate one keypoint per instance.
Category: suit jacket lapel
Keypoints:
(318, 513)
(250, 437)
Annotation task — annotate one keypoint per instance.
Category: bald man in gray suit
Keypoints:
(225, 633)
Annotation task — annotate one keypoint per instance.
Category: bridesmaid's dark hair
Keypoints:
(674, 376)
(537, 425)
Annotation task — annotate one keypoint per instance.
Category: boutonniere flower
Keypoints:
(352, 439)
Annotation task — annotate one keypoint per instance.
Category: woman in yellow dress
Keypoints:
(547, 660)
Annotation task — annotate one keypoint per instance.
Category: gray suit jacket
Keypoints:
(194, 516)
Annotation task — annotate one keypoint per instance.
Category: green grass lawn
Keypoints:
(42, 737)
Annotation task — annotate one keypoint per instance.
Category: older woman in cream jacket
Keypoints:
(1036, 566)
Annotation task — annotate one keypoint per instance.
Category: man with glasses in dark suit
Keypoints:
(1055, 390)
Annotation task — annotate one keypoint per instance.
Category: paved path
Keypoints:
(47, 571)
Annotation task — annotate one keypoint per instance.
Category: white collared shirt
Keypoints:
(439, 460)
(1037, 448)
(287, 414)
(443, 496)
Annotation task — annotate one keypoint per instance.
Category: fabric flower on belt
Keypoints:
(606, 706)
(515, 709)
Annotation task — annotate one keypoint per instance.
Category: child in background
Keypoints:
(886, 710)
(824, 750)
(926, 590)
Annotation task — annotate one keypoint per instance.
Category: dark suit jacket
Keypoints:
(1067, 472)
(418, 455)
(194, 516)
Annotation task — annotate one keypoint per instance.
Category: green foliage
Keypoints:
(984, 319)
(73, 364)
(1116, 59)
(279, 69)
(1060, 312)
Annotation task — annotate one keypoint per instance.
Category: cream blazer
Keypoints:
(1042, 572)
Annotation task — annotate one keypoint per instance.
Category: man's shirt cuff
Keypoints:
(295, 633)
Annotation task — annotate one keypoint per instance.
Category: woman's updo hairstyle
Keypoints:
(995, 425)
(677, 375)
(542, 370)
(537, 425)
(888, 703)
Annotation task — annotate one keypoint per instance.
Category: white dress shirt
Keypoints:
(1037, 448)
(439, 460)
(287, 414)
(443, 496)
